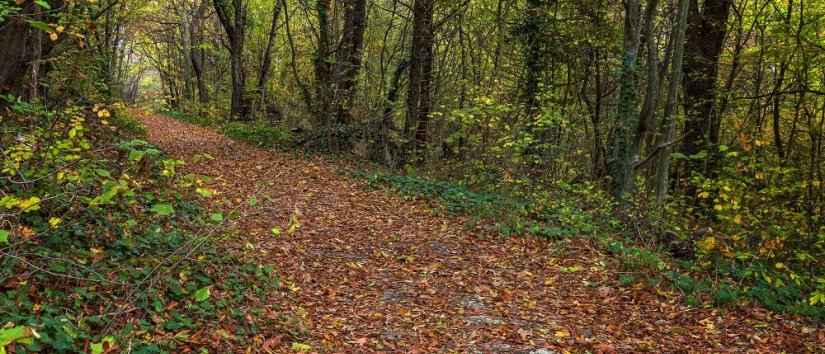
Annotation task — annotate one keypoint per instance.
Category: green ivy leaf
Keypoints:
(216, 217)
(40, 25)
(43, 3)
(163, 209)
(4, 237)
(202, 294)
(15, 334)
(205, 193)
(106, 344)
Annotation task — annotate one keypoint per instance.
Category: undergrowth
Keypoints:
(567, 211)
(104, 247)
(259, 133)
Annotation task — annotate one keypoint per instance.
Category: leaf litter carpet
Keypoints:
(368, 271)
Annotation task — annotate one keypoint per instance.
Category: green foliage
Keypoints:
(522, 212)
(204, 120)
(454, 197)
(260, 133)
(83, 247)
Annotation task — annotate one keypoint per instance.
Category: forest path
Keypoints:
(372, 272)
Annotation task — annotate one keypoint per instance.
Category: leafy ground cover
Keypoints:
(581, 212)
(106, 247)
(369, 270)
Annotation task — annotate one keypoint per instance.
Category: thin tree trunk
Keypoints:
(266, 63)
(196, 52)
(668, 122)
(235, 27)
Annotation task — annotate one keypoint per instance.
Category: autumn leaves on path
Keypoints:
(371, 272)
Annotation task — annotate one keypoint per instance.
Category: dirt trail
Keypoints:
(372, 272)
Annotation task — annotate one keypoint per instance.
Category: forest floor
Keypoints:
(369, 271)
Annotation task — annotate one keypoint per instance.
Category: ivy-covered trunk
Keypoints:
(620, 160)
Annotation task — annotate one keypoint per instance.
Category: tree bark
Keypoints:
(266, 63)
(651, 100)
(705, 38)
(419, 100)
(620, 162)
(350, 58)
(21, 47)
(669, 124)
(233, 21)
(323, 67)
(196, 52)
(534, 54)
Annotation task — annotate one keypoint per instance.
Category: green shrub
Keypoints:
(260, 133)
(98, 239)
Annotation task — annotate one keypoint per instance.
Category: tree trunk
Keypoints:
(620, 162)
(20, 46)
(350, 59)
(651, 100)
(266, 63)
(669, 124)
(196, 52)
(534, 55)
(323, 67)
(234, 23)
(705, 38)
(419, 99)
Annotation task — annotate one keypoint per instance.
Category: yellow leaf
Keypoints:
(29, 205)
(300, 347)
(54, 222)
(707, 244)
(562, 334)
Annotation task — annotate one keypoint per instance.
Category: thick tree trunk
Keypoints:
(419, 99)
(705, 38)
(323, 66)
(350, 59)
(20, 47)
(620, 162)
